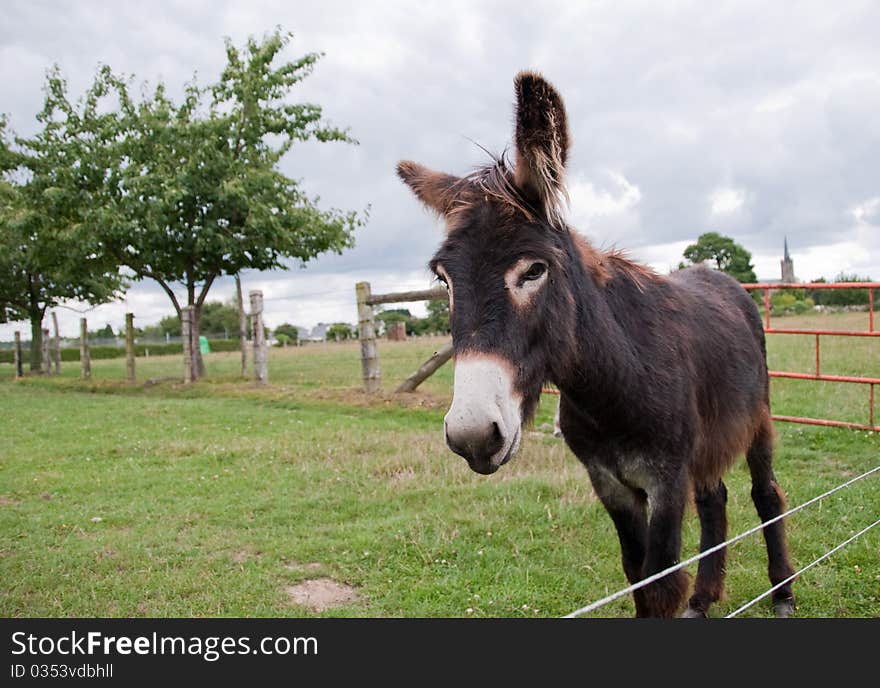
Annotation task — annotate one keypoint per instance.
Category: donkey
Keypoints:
(663, 380)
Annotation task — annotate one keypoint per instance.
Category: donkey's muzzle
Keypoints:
(483, 423)
(477, 446)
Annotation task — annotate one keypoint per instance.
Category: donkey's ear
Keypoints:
(435, 189)
(541, 141)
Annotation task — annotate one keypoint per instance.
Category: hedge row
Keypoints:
(102, 352)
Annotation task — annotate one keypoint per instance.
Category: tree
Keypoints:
(841, 297)
(170, 325)
(393, 315)
(438, 316)
(338, 332)
(289, 331)
(219, 318)
(727, 255)
(106, 332)
(198, 193)
(48, 256)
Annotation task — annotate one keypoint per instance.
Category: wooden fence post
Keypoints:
(258, 336)
(129, 347)
(242, 326)
(47, 361)
(85, 361)
(16, 356)
(367, 336)
(56, 344)
(186, 315)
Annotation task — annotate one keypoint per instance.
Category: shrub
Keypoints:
(782, 300)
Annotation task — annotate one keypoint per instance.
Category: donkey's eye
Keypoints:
(534, 272)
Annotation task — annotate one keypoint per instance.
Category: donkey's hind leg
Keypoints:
(712, 510)
(770, 502)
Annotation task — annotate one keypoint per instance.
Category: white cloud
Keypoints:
(606, 210)
(867, 212)
(618, 197)
(726, 200)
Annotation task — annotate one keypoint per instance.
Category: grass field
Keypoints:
(212, 500)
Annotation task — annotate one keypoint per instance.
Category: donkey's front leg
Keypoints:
(665, 596)
(628, 510)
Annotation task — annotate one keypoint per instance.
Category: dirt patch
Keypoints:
(243, 555)
(320, 594)
(6, 500)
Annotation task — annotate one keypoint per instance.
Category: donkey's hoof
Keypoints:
(784, 608)
(691, 613)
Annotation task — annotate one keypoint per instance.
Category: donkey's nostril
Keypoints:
(496, 432)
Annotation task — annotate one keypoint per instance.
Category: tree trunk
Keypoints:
(198, 361)
(36, 362)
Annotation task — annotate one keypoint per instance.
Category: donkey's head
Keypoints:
(506, 263)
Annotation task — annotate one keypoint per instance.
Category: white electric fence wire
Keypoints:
(675, 567)
(806, 568)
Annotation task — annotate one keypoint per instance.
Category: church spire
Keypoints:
(787, 265)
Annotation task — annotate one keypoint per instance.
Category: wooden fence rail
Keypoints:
(435, 294)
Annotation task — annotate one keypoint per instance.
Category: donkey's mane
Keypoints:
(495, 180)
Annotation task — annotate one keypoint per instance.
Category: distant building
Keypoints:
(787, 265)
(319, 332)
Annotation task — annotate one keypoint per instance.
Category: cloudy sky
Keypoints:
(757, 120)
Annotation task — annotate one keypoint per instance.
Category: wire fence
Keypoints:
(805, 568)
(705, 553)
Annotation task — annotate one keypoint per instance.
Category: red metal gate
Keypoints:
(817, 334)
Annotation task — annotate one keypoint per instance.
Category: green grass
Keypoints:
(162, 500)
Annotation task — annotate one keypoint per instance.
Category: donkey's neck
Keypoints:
(604, 371)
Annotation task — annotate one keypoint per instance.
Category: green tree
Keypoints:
(170, 324)
(438, 316)
(338, 332)
(197, 192)
(727, 255)
(841, 297)
(47, 254)
(393, 315)
(219, 318)
(289, 331)
(105, 332)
